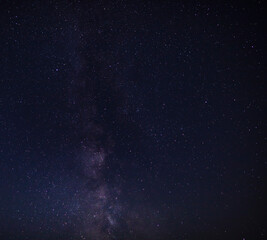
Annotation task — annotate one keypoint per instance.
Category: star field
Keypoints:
(132, 120)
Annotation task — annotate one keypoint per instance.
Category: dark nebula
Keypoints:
(132, 120)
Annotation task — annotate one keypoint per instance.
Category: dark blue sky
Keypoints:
(132, 120)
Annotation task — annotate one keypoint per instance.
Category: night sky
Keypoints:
(132, 120)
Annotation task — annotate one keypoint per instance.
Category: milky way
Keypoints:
(99, 203)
